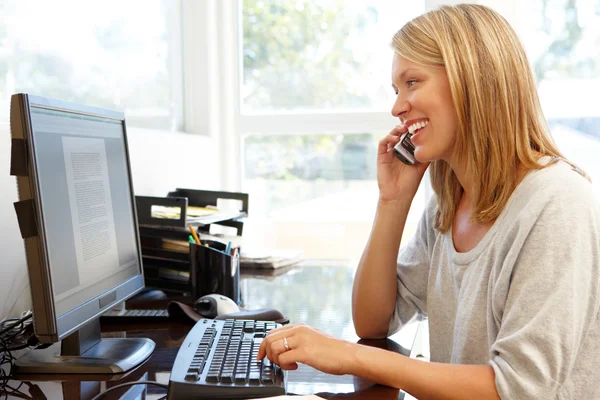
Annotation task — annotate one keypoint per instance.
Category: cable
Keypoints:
(18, 347)
(10, 328)
(15, 392)
(18, 387)
(18, 321)
(12, 338)
(99, 396)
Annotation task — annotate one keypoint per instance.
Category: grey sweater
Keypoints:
(525, 300)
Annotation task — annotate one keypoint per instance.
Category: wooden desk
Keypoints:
(318, 294)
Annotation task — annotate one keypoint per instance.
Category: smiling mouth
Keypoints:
(417, 126)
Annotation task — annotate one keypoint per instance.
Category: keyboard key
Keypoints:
(229, 348)
(240, 378)
(191, 376)
(254, 377)
(196, 368)
(227, 377)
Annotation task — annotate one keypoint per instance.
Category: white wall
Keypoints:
(13, 281)
(160, 162)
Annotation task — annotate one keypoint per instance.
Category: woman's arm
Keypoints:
(422, 379)
(375, 282)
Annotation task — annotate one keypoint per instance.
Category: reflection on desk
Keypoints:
(318, 294)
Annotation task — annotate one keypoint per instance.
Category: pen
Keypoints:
(195, 235)
(228, 248)
(191, 239)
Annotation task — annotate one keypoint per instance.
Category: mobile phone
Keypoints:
(404, 150)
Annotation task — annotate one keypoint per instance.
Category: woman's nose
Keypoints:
(400, 108)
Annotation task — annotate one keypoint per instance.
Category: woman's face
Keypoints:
(423, 97)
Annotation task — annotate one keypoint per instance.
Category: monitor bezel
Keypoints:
(50, 327)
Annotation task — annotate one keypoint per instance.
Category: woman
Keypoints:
(505, 260)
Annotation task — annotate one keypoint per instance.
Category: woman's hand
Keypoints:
(307, 346)
(394, 178)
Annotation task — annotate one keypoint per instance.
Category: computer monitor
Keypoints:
(77, 216)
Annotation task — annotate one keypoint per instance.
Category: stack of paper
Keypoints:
(270, 260)
(196, 215)
(206, 216)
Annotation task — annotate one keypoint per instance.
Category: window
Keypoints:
(309, 55)
(294, 94)
(315, 100)
(317, 192)
(106, 54)
(563, 43)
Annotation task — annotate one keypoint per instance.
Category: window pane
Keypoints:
(110, 54)
(563, 43)
(317, 193)
(300, 54)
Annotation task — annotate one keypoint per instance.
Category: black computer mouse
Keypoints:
(213, 305)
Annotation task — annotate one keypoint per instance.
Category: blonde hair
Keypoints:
(500, 123)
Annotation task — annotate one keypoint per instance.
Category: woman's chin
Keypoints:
(421, 155)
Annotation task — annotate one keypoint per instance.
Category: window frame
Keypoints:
(223, 46)
(175, 57)
(221, 39)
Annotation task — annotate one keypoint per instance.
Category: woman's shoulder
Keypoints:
(551, 198)
(559, 176)
(557, 184)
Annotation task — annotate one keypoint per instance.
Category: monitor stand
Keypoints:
(85, 352)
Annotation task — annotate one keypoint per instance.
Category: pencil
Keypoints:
(196, 238)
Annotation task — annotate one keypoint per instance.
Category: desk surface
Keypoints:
(318, 294)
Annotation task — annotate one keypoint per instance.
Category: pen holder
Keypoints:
(212, 270)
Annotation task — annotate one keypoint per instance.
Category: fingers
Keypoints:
(273, 345)
(288, 360)
(276, 347)
(271, 336)
(391, 139)
(399, 130)
(386, 143)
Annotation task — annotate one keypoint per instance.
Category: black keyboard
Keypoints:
(217, 360)
(126, 316)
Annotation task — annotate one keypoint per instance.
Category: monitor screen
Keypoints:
(83, 253)
(85, 195)
(77, 216)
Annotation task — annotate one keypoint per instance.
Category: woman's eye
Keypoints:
(411, 82)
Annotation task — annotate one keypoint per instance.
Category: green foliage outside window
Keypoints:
(297, 55)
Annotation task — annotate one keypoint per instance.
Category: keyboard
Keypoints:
(217, 360)
(126, 316)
